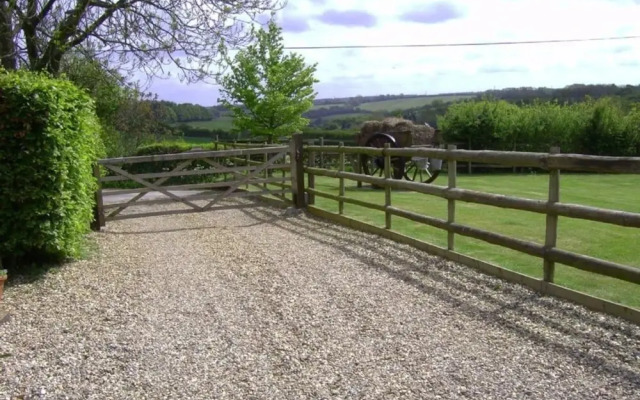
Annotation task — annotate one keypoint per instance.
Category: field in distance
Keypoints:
(219, 123)
(224, 122)
(407, 103)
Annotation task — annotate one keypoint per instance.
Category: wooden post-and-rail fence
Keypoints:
(552, 208)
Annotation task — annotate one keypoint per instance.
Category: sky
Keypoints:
(429, 70)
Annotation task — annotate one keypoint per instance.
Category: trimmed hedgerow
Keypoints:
(49, 139)
(168, 147)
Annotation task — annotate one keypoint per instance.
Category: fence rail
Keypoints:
(566, 162)
(552, 208)
(191, 155)
(614, 217)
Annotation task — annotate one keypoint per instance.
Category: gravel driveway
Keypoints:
(250, 304)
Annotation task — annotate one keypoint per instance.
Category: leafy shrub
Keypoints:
(166, 148)
(632, 127)
(49, 139)
(608, 131)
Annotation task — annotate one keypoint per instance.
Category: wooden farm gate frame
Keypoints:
(248, 173)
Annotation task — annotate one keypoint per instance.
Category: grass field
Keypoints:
(403, 104)
(348, 115)
(219, 123)
(609, 242)
(318, 107)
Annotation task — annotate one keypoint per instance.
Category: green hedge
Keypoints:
(49, 139)
(168, 147)
(602, 127)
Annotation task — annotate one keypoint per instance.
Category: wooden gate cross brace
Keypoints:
(236, 175)
(154, 186)
(246, 179)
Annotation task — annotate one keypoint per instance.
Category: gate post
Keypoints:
(452, 167)
(551, 232)
(98, 209)
(297, 171)
(311, 200)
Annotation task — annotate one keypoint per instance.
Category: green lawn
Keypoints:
(403, 104)
(609, 242)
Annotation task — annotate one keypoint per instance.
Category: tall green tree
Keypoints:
(266, 89)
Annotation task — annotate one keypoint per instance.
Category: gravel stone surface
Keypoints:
(258, 304)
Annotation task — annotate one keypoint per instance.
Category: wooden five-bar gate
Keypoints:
(200, 180)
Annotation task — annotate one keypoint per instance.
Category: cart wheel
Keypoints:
(420, 171)
(374, 165)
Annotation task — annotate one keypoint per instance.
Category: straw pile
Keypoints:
(398, 128)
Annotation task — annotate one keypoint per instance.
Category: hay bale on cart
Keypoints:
(399, 132)
(405, 132)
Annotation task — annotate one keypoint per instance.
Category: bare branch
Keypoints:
(45, 10)
(145, 34)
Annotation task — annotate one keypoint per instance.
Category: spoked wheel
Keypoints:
(421, 170)
(374, 165)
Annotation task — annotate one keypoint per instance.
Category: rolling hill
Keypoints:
(407, 103)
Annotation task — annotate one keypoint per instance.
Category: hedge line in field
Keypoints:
(602, 127)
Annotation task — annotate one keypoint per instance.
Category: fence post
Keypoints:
(551, 233)
(284, 175)
(322, 153)
(359, 168)
(98, 208)
(247, 171)
(387, 188)
(297, 171)
(312, 177)
(469, 162)
(341, 169)
(266, 170)
(452, 167)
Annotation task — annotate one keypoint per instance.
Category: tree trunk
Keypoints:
(7, 46)
(50, 61)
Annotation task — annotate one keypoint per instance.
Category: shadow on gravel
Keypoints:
(35, 266)
(30, 272)
(196, 228)
(580, 334)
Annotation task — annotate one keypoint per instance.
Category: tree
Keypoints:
(266, 90)
(137, 34)
(127, 115)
